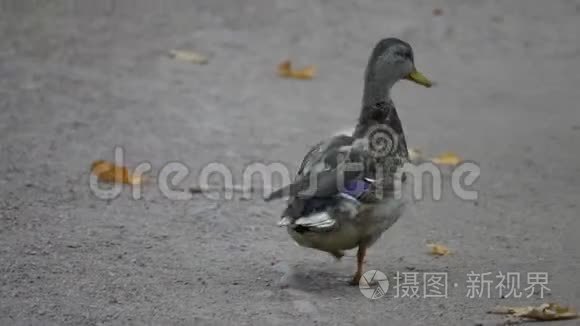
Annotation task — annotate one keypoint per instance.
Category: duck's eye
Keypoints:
(404, 54)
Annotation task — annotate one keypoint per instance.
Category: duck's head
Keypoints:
(390, 61)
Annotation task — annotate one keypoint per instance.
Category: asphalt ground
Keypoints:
(79, 78)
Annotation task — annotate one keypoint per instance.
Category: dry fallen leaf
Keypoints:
(544, 312)
(438, 250)
(189, 56)
(109, 172)
(552, 311)
(285, 70)
(415, 155)
(447, 158)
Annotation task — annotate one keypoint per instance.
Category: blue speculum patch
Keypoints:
(356, 188)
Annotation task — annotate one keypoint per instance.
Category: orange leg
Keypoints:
(360, 259)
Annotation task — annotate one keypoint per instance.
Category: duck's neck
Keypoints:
(380, 113)
(377, 88)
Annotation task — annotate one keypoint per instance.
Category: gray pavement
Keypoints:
(79, 77)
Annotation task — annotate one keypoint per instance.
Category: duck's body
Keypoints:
(343, 196)
(334, 215)
(367, 226)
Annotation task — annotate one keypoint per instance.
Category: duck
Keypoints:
(344, 194)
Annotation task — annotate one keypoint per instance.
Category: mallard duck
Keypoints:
(343, 194)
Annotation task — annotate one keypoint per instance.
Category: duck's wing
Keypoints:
(324, 169)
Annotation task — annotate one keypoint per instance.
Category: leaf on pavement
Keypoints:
(109, 172)
(189, 56)
(415, 155)
(285, 70)
(543, 312)
(438, 250)
(447, 158)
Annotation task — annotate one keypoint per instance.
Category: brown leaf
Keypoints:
(439, 250)
(544, 312)
(447, 158)
(109, 172)
(285, 70)
(189, 56)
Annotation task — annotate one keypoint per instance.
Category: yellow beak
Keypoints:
(419, 78)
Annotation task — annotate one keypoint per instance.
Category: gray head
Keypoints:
(390, 61)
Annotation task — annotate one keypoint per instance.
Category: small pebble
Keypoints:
(437, 12)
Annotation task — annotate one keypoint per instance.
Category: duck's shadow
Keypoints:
(310, 278)
(319, 278)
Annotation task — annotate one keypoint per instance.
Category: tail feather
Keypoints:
(277, 194)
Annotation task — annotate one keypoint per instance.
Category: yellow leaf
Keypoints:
(551, 311)
(438, 250)
(447, 158)
(285, 70)
(109, 172)
(189, 56)
(544, 312)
